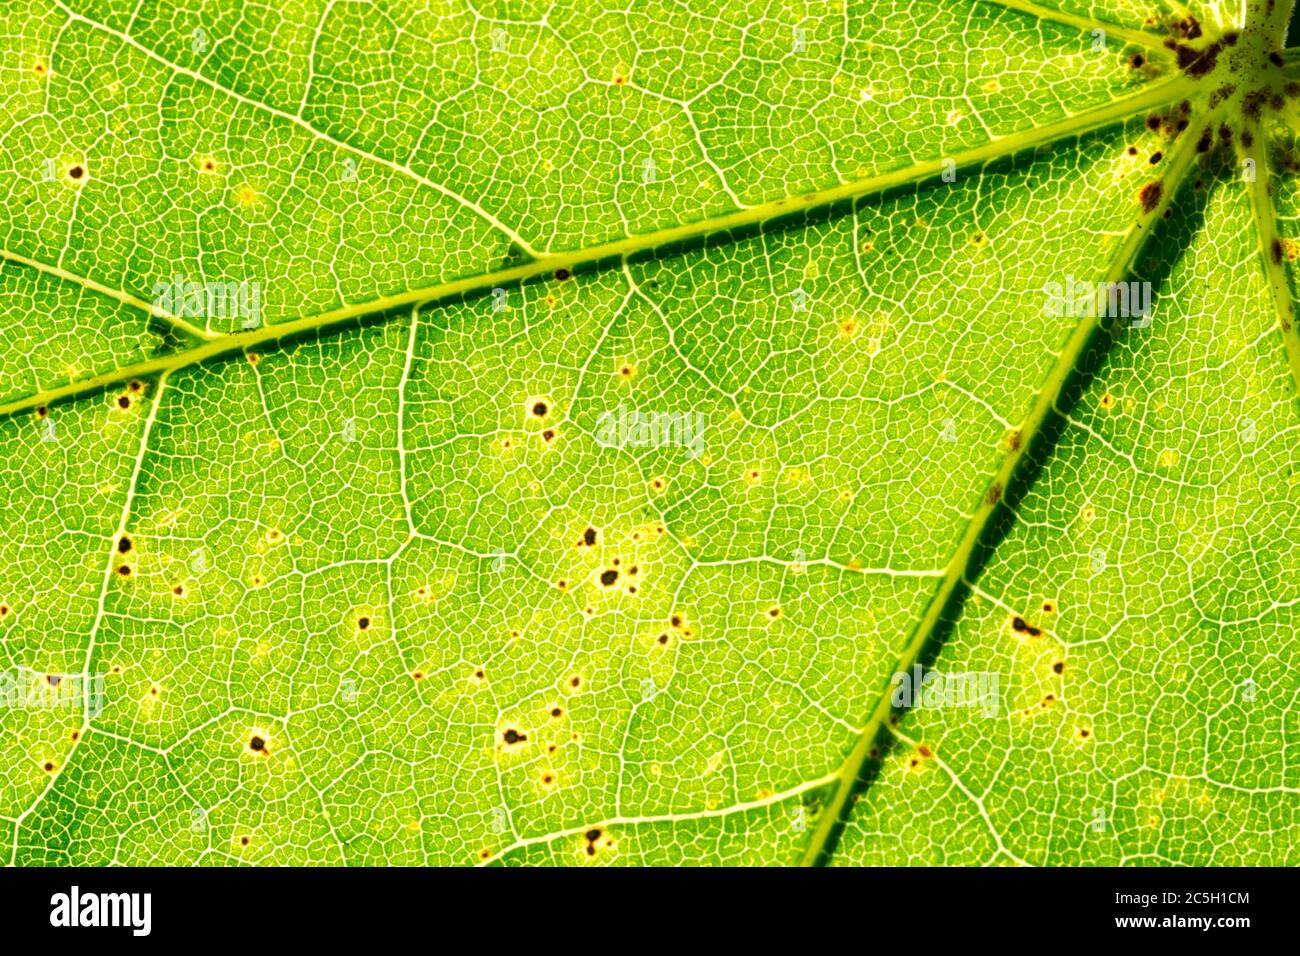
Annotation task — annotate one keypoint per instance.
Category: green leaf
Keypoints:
(546, 433)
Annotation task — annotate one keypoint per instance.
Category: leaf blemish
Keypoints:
(593, 839)
(1150, 195)
(1021, 626)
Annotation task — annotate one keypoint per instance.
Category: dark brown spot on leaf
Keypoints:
(1150, 195)
(1022, 626)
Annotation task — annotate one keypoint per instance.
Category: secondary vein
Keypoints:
(1045, 405)
(125, 298)
(1270, 247)
(1152, 97)
(1140, 38)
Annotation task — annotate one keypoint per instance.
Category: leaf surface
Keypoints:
(630, 396)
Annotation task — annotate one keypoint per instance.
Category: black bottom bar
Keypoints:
(552, 910)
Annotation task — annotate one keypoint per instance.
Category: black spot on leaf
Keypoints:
(1020, 625)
